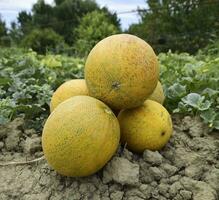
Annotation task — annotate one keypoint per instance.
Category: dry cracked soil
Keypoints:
(186, 169)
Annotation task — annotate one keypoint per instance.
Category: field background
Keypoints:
(28, 81)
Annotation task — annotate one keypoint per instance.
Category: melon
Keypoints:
(122, 71)
(80, 136)
(158, 94)
(147, 127)
(67, 90)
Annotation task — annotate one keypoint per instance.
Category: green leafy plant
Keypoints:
(42, 40)
(93, 27)
(27, 81)
(191, 84)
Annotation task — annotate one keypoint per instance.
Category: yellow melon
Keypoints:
(122, 71)
(80, 136)
(146, 127)
(158, 94)
(67, 90)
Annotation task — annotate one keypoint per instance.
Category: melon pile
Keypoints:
(82, 132)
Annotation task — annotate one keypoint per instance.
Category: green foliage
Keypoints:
(42, 14)
(41, 40)
(3, 33)
(178, 25)
(63, 17)
(15, 34)
(3, 29)
(212, 50)
(69, 14)
(112, 17)
(27, 81)
(93, 27)
(5, 41)
(25, 22)
(191, 85)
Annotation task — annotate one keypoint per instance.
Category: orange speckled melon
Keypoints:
(67, 90)
(158, 94)
(147, 127)
(122, 71)
(80, 136)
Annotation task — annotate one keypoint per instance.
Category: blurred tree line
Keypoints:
(179, 25)
(62, 26)
(77, 25)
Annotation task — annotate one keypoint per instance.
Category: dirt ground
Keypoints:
(187, 168)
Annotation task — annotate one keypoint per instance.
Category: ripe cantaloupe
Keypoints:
(80, 136)
(122, 71)
(146, 127)
(67, 90)
(158, 94)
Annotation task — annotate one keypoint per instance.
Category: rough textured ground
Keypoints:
(187, 168)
